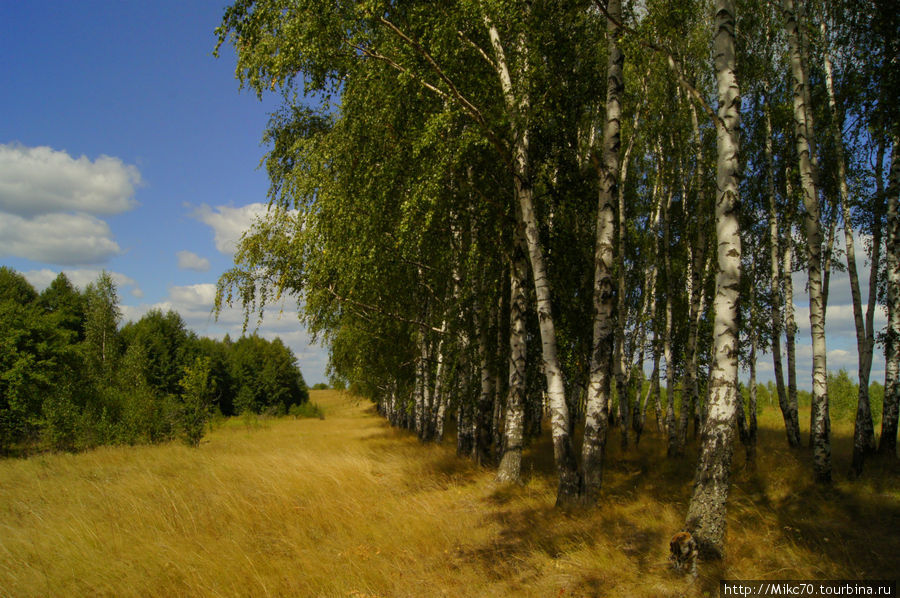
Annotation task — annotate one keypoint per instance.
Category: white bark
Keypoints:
(864, 429)
(604, 325)
(888, 443)
(821, 426)
(706, 512)
(511, 463)
(788, 410)
(563, 452)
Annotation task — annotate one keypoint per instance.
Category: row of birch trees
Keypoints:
(499, 211)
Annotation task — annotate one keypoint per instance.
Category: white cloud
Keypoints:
(229, 223)
(49, 204)
(41, 180)
(41, 279)
(69, 239)
(188, 260)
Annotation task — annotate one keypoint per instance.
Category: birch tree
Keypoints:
(706, 511)
(805, 140)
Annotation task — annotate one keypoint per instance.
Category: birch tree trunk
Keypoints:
(485, 410)
(697, 270)
(820, 432)
(790, 323)
(671, 426)
(511, 463)
(570, 483)
(888, 443)
(706, 512)
(436, 431)
(622, 369)
(754, 347)
(864, 429)
(791, 423)
(604, 326)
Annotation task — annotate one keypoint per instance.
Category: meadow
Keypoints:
(347, 506)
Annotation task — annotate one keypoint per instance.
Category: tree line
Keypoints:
(72, 378)
(497, 211)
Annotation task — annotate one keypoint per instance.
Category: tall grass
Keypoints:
(346, 506)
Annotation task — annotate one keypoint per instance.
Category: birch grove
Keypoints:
(507, 215)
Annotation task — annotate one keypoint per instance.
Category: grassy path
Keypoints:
(348, 507)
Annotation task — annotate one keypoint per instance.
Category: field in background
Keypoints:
(346, 506)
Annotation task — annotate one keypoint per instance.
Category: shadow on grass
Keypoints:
(846, 529)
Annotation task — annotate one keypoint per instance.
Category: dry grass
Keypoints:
(348, 507)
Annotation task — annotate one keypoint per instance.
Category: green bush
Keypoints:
(195, 401)
(306, 410)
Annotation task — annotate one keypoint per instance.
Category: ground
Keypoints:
(347, 506)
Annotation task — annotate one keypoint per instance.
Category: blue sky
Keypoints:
(125, 145)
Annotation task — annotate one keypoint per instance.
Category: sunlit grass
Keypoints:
(346, 506)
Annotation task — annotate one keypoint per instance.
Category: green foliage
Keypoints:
(306, 410)
(71, 380)
(165, 341)
(14, 287)
(35, 358)
(196, 399)
(319, 386)
(101, 335)
(876, 401)
(266, 375)
(843, 395)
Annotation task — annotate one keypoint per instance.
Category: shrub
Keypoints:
(195, 401)
(306, 410)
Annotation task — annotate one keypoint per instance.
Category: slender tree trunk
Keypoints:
(790, 323)
(696, 277)
(864, 429)
(440, 402)
(706, 512)
(820, 420)
(791, 425)
(623, 371)
(563, 452)
(485, 411)
(465, 420)
(877, 237)
(604, 325)
(654, 385)
(421, 387)
(754, 347)
(647, 316)
(671, 426)
(888, 443)
(511, 464)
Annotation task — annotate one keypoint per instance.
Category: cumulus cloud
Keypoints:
(188, 260)
(68, 239)
(49, 203)
(229, 223)
(41, 279)
(41, 180)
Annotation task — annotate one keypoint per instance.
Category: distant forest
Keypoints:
(71, 378)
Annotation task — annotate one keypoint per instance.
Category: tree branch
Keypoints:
(382, 312)
(674, 63)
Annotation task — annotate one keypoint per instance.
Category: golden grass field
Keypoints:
(347, 506)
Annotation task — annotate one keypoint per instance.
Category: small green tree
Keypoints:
(196, 397)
